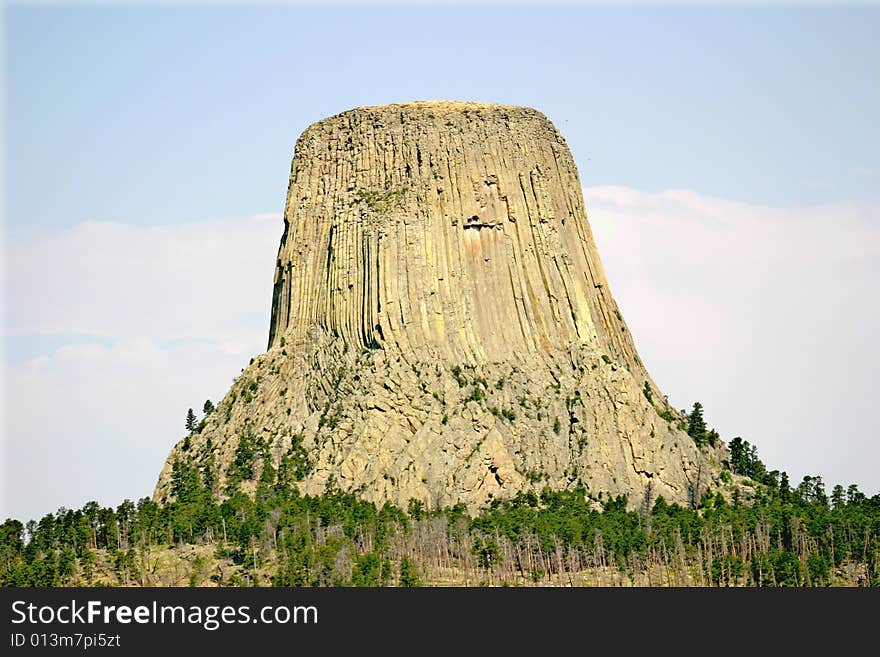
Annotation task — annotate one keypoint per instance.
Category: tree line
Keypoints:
(773, 535)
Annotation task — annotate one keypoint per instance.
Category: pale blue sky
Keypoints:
(147, 158)
(161, 116)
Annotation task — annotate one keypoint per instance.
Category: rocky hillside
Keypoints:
(442, 328)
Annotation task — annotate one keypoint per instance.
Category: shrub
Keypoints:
(477, 395)
(409, 573)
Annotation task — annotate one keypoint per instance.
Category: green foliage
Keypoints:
(557, 427)
(186, 484)
(744, 461)
(487, 551)
(726, 570)
(712, 437)
(87, 565)
(812, 489)
(328, 420)
(242, 466)
(797, 536)
(416, 509)
(477, 395)
(380, 201)
(787, 569)
(838, 498)
(818, 569)
(125, 566)
(649, 395)
(534, 476)
(295, 464)
(198, 571)
(460, 378)
(249, 389)
(190, 421)
(367, 570)
(505, 413)
(696, 425)
(409, 573)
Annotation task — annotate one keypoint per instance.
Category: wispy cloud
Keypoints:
(140, 323)
(766, 315)
(206, 280)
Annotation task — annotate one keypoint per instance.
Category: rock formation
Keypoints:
(442, 328)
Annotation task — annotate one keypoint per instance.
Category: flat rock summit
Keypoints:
(442, 328)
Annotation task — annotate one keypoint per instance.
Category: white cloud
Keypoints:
(766, 315)
(182, 309)
(96, 422)
(206, 280)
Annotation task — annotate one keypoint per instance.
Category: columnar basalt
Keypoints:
(442, 328)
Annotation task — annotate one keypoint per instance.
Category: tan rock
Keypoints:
(442, 328)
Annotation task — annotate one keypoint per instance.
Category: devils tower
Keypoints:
(442, 328)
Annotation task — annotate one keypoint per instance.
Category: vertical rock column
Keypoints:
(455, 229)
(442, 328)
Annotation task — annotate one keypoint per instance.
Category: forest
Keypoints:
(773, 534)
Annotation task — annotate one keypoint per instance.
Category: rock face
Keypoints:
(442, 328)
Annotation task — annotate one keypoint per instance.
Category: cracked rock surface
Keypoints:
(442, 328)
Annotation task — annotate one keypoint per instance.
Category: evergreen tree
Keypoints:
(190, 421)
(337, 539)
(696, 424)
(409, 573)
(838, 498)
(66, 563)
(784, 488)
(739, 456)
(854, 495)
(208, 408)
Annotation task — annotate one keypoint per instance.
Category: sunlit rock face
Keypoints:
(442, 328)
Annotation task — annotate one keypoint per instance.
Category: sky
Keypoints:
(730, 160)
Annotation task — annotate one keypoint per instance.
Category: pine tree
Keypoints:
(696, 424)
(854, 495)
(190, 421)
(409, 573)
(838, 498)
(208, 408)
(784, 488)
(739, 456)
